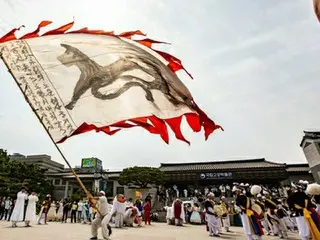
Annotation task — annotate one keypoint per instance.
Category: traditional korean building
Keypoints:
(184, 175)
(310, 145)
(258, 171)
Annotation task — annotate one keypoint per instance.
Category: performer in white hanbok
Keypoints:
(170, 220)
(118, 209)
(305, 213)
(31, 209)
(130, 215)
(101, 220)
(60, 210)
(212, 219)
(251, 225)
(225, 216)
(18, 210)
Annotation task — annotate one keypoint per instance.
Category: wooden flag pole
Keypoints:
(88, 194)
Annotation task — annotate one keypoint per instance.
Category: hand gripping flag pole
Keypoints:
(88, 194)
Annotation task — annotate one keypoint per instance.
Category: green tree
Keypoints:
(15, 174)
(141, 177)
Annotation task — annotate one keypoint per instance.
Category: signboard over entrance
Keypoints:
(215, 175)
(91, 163)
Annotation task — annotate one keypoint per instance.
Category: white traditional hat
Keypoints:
(313, 189)
(210, 194)
(255, 189)
(103, 193)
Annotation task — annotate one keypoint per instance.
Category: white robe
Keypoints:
(18, 210)
(128, 218)
(31, 209)
(60, 211)
(119, 210)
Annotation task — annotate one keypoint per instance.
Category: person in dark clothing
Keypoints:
(251, 224)
(74, 208)
(189, 211)
(7, 208)
(298, 202)
(317, 202)
(2, 203)
(271, 207)
(66, 209)
(11, 209)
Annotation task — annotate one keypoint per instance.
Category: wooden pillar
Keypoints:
(66, 190)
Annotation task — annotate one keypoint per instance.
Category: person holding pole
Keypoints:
(101, 220)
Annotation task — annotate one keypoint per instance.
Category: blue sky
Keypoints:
(255, 65)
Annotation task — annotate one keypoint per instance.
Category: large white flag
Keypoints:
(94, 80)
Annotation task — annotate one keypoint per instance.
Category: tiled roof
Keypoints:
(310, 135)
(219, 165)
(301, 167)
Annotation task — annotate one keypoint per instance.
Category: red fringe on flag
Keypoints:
(152, 124)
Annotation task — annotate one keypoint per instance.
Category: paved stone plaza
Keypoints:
(157, 231)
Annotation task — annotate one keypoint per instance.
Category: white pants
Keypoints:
(283, 229)
(226, 223)
(213, 224)
(289, 222)
(267, 225)
(304, 231)
(247, 227)
(118, 220)
(128, 221)
(96, 223)
(220, 225)
(274, 223)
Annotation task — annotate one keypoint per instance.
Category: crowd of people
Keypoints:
(97, 211)
(168, 194)
(261, 210)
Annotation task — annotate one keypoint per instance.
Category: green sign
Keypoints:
(89, 163)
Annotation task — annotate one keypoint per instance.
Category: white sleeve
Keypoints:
(113, 209)
(210, 209)
(172, 210)
(102, 199)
